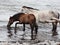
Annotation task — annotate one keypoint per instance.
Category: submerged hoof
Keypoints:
(22, 39)
(32, 39)
(9, 31)
(10, 35)
(54, 34)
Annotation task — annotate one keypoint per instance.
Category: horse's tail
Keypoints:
(58, 17)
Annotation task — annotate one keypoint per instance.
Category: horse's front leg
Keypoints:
(54, 29)
(23, 31)
(16, 27)
(24, 27)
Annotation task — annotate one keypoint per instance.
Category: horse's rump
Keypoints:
(47, 16)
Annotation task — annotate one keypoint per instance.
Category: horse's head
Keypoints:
(11, 20)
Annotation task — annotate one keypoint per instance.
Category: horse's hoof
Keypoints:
(37, 41)
(32, 39)
(10, 35)
(9, 31)
(55, 34)
(15, 33)
(22, 39)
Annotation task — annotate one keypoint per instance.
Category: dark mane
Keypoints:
(16, 16)
(29, 7)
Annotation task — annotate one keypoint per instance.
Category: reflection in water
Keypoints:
(10, 34)
(42, 35)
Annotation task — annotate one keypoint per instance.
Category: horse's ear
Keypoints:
(24, 7)
(10, 17)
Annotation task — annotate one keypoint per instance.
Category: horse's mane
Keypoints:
(16, 16)
(29, 7)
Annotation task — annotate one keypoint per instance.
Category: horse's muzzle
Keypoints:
(8, 27)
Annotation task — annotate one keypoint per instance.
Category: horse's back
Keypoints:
(27, 18)
(47, 15)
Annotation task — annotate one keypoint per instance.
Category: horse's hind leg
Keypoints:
(24, 27)
(36, 29)
(32, 28)
(54, 29)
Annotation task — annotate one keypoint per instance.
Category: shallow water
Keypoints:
(44, 33)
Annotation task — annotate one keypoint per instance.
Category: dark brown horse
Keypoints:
(23, 19)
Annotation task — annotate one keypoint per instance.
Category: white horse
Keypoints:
(44, 16)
